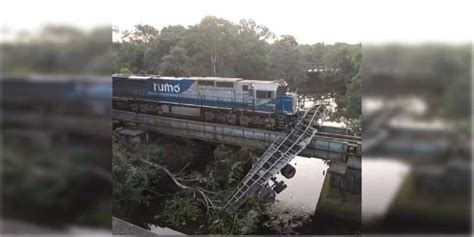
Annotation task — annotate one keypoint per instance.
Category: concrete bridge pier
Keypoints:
(341, 192)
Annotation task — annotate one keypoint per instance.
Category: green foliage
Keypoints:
(244, 221)
(286, 60)
(456, 101)
(331, 68)
(352, 101)
(456, 105)
(183, 209)
(186, 212)
(54, 181)
(250, 217)
(131, 176)
(236, 173)
(180, 211)
(177, 63)
(59, 49)
(344, 59)
(129, 55)
(217, 47)
(142, 34)
(251, 56)
(349, 108)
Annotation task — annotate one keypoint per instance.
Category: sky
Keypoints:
(309, 21)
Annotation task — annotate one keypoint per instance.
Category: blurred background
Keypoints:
(56, 126)
(56, 129)
(416, 138)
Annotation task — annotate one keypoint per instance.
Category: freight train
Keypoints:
(235, 101)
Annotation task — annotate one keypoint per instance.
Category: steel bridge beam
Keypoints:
(323, 146)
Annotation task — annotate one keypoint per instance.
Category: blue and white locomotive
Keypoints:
(252, 103)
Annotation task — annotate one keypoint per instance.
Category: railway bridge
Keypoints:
(342, 184)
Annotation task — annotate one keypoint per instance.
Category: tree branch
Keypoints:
(202, 192)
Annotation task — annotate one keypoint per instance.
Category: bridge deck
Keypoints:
(336, 147)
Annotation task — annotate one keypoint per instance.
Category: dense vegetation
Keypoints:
(188, 189)
(57, 185)
(217, 47)
(59, 49)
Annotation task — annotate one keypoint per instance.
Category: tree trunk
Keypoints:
(214, 62)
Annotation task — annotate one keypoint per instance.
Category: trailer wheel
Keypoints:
(288, 171)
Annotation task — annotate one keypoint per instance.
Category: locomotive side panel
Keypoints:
(261, 104)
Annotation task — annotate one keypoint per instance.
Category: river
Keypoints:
(295, 205)
(381, 180)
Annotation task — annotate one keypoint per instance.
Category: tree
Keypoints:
(456, 105)
(140, 170)
(129, 55)
(249, 29)
(251, 54)
(59, 49)
(217, 47)
(342, 62)
(180, 211)
(194, 198)
(169, 37)
(177, 63)
(349, 108)
(142, 34)
(286, 60)
(211, 45)
(136, 51)
(131, 177)
(456, 100)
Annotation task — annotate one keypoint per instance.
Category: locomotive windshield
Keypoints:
(264, 94)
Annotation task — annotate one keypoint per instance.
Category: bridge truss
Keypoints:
(277, 156)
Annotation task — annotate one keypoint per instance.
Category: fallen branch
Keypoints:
(202, 192)
(181, 171)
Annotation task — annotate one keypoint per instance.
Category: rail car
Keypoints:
(235, 101)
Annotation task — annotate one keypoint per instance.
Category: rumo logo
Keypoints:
(166, 87)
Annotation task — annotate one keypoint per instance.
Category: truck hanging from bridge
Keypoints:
(235, 101)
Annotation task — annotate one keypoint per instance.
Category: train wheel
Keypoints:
(288, 171)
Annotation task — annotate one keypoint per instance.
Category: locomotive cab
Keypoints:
(272, 96)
